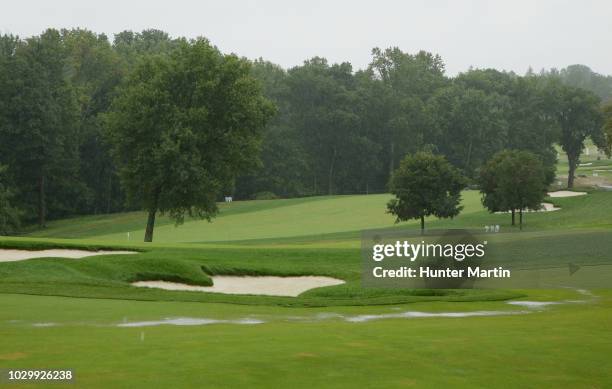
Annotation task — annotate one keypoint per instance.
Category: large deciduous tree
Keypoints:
(514, 180)
(579, 117)
(424, 185)
(183, 126)
(607, 129)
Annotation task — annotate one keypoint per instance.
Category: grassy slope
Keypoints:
(317, 219)
(109, 276)
(334, 254)
(564, 346)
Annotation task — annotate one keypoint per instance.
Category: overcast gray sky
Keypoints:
(510, 35)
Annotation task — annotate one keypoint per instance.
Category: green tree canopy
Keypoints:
(95, 71)
(39, 123)
(514, 180)
(9, 215)
(324, 112)
(424, 185)
(469, 125)
(183, 126)
(579, 117)
(607, 129)
(400, 84)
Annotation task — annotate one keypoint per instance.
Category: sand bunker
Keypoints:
(266, 285)
(548, 207)
(545, 207)
(10, 255)
(565, 193)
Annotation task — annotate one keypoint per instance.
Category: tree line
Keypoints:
(90, 126)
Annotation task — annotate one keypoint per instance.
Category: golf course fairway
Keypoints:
(83, 314)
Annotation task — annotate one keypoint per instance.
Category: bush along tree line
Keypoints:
(147, 121)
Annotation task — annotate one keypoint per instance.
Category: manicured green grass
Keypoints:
(320, 219)
(564, 345)
(122, 223)
(242, 220)
(546, 239)
(110, 276)
(561, 346)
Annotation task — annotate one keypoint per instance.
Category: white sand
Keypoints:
(546, 207)
(266, 285)
(10, 255)
(565, 193)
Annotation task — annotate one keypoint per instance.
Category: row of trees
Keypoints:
(340, 131)
(54, 89)
(428, 185)
(88, 126)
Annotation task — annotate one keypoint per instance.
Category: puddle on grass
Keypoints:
(532, 306)
(191, 321)
(417, 314)
(542, 304)
(44, 324)
(187, 321)
(585, 292)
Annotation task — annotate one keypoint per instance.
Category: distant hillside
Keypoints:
(582, 76)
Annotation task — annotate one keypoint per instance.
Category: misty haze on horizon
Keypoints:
(509, 35)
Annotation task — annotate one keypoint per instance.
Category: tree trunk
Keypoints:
(573, 163)
(42, 204)
(521, 219)
(513, 218)
(150, 225)
(422, 224)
